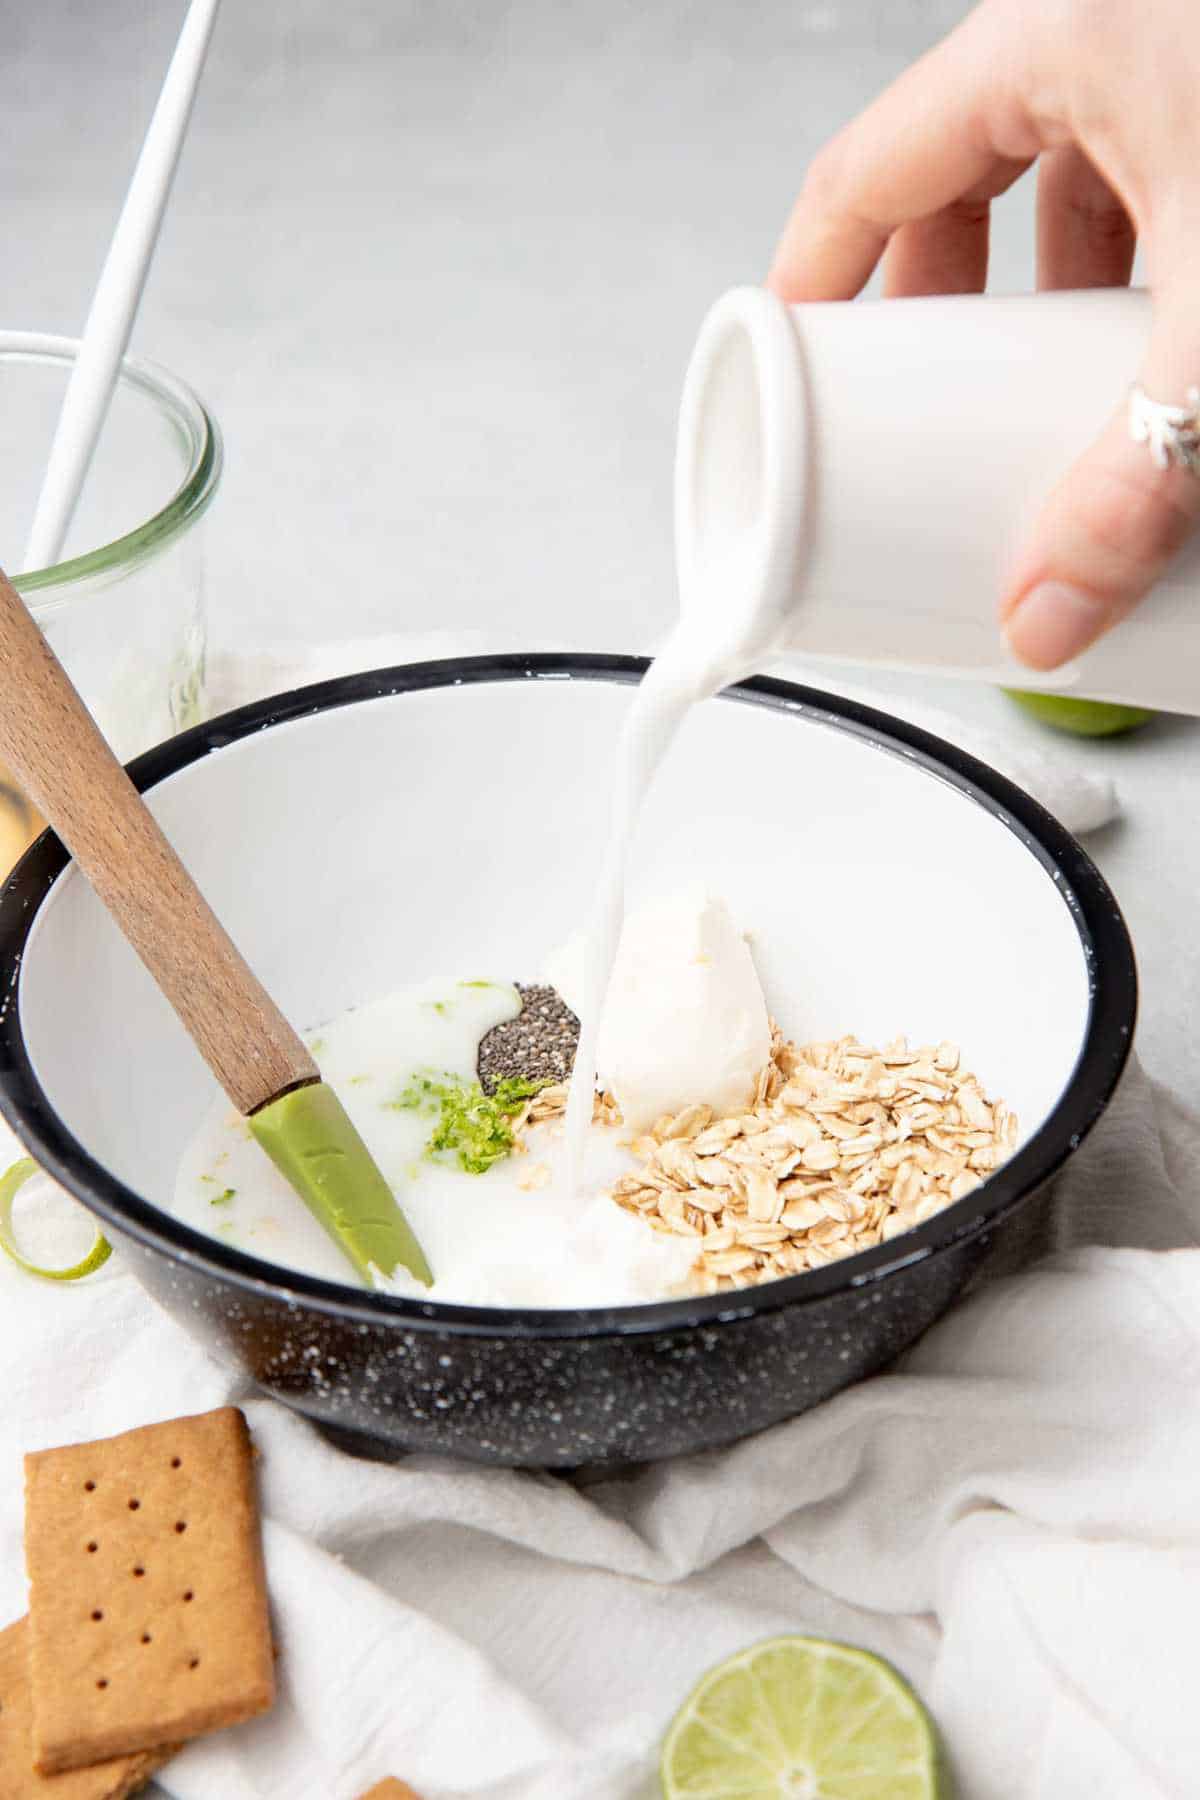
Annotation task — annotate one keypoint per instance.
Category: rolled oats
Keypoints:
(844, 1147)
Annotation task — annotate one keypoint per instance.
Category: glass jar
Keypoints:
(124, 608)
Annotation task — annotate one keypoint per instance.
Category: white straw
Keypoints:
(115, 302)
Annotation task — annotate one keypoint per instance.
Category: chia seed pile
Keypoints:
(538, 1045)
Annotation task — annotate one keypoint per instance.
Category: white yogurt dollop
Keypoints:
(684, 1019)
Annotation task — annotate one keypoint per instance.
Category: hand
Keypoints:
(1102, 94)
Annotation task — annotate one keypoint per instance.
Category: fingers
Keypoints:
(928, 140)
(947, 253)
(1114, 523)
(1085, 237)
(944, 254)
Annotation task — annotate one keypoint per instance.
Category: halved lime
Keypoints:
(797, 1718)
(1082, 718)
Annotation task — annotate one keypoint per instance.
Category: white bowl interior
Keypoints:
(457, 831)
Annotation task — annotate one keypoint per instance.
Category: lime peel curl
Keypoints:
(11, 1182)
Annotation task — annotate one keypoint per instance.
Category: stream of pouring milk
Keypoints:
(695, 663)
(741, 478)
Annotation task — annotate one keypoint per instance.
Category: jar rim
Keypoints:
(205, 457)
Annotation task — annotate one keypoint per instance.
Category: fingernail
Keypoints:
(1053, 623)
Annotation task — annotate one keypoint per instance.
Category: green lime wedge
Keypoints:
(797, 1718)
(1082, 718)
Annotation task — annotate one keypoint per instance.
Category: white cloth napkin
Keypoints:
(1011, 1515)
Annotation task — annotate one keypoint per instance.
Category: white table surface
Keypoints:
(437, 269)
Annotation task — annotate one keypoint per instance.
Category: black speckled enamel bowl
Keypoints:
(366, 832)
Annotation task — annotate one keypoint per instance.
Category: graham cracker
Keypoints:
(390, 1789)
(116, 1779)
(148, 1603)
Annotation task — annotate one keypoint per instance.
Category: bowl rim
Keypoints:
(1104, 1050)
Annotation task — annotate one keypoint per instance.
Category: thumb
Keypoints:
(1113, 523)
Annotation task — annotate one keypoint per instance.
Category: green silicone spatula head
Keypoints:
(311, 1139)
(57, 753)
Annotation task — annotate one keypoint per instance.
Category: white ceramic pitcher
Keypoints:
(857, 475)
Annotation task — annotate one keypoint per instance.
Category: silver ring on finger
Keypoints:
(1172, 433)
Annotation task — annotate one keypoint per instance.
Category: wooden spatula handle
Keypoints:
(56, 751)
